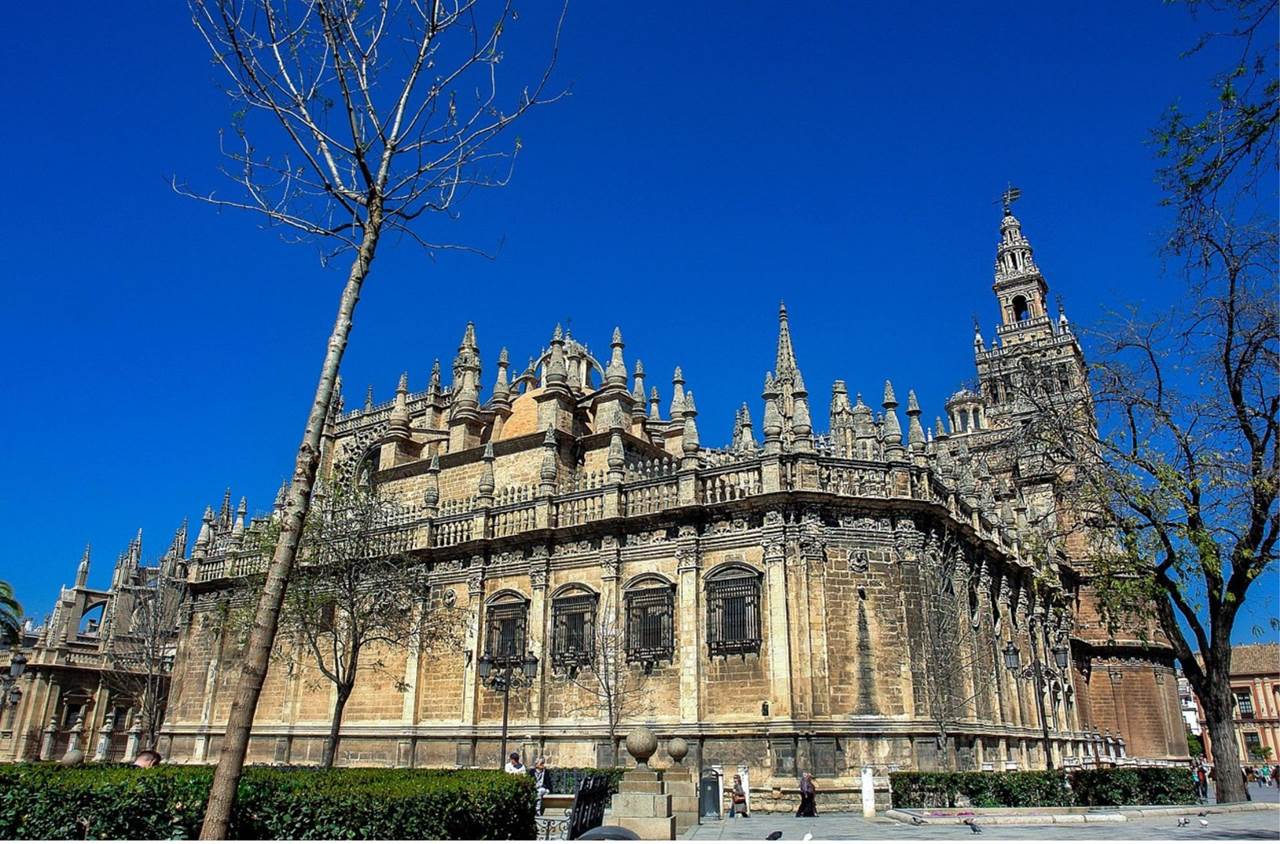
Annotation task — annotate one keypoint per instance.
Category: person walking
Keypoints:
(541, 779)
(808, 797)
(737, 798)
(1202, 782)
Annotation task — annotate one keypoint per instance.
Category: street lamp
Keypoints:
(1039, 673)
(10, 694)
(500, 674)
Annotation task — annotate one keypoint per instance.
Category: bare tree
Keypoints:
(1173, 493)
(356, 593)
(615, 687)
(353, 120)
(141, 655)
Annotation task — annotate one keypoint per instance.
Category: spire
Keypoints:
(616, 373)
(892, 428)
(282, 498)
(637, 392)
(655, 403)
(433, 387)
(205, 536)
(237, 530)
(772, 416)
(689, 442)
(743, 440)
(801, 424)
(677, 395)
(82, 573)
(224, 514)
(556, 373)
(178, 548)
(368, 398)
(398, 423)
(486, 485)
(786, 362)
(502, 388)
(915, 431)
(978, 343)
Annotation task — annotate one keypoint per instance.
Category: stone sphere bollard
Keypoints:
(72, 758)
(677, 749)
(642, 744)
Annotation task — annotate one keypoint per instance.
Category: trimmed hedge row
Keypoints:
(95, 802)
(1099, 787)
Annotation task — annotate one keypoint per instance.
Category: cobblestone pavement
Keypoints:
(1238, 825)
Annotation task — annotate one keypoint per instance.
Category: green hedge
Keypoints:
(566, 780)
(94, 802)
(1100, 787)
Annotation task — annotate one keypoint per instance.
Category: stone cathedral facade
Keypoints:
(796, 600)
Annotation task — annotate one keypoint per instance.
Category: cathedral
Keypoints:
(794, 601)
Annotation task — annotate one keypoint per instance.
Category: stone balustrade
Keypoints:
(649, 488)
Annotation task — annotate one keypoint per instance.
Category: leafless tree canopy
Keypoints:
(388, 109)
(142, 653)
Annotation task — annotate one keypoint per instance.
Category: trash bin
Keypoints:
(709, 797)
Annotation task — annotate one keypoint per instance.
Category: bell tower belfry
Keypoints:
(1019, 286)
(1031, 350)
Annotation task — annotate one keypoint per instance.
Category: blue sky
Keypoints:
(710, 161)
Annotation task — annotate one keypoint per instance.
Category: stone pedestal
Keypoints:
(641, 806)
(677, 782)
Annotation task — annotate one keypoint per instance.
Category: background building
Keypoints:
(1255, 682)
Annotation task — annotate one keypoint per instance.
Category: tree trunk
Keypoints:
(335, 726)
(1219, 712)
(266, 619)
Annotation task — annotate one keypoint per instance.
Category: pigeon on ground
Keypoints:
(973, 825)
(808, 836)
(1202, 813)
(1204, 822)
(773, 836)
(1183, 821)
(916, 821)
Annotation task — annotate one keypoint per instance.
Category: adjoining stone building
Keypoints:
(97, 670)
(797, 600)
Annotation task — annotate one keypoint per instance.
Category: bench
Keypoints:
(585, 810)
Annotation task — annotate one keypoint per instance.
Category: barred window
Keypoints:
(1244, 702)
(650, 624)
(733, 612)
(573, 631)
(505, 632)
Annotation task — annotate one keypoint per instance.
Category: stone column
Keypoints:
(104, 738)
(539, 568)
(474, 642)
(783, 703)
(46, 744)
(135, 739)
(77, 731)
(689, 573)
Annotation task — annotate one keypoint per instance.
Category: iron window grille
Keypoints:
(573, 632)
(651, 625)
(733, 615)
(1244, 701)
(505, 633)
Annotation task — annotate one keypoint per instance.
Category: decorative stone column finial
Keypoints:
(642, 744)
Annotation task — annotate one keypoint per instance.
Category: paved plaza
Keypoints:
(1239, 825)
(1264, 824)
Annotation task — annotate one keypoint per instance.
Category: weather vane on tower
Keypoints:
(1009, 197)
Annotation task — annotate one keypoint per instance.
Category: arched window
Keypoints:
(506, 618)
(91, 619)
(650, 603)
(573, 628)
(1020, 309)
(733, 610)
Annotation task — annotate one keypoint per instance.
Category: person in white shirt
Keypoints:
(514, 766)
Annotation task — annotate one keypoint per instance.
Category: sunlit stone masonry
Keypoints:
(795, 600)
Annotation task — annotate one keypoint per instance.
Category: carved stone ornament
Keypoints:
(475, 583)
(450, 598)
(858, 560)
